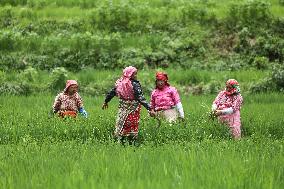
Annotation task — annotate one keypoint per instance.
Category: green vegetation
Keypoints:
(196, 35)
(98, 82)
(112, 34)
(37, 151)
(199, 43)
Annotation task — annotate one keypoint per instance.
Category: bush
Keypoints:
(132, 57)
(212, 87)
(9, 88)
(2, 76)
(7, 16)
(30, 74)
(58, 79)
(260, 63)
(275, 81)
(252, 14)
(269, 46)
(278, 77)
(8, 41)
(264, 85)
(278, 26)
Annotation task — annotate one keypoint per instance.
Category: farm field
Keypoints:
(200, 44)
(38, 151)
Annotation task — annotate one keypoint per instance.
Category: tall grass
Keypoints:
(23, 117)
(37, 151)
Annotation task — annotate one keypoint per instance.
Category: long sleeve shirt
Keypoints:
(138, 94)
(164, 99)
(64, 102)
(227, 104)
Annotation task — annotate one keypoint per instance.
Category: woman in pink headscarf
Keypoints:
(69, 102)
(130, 95)
(165, 99)
(227, 106)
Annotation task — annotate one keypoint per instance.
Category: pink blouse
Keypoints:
(233, 103)
(224, 101)
(164, 99)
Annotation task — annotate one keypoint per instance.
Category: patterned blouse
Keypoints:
(138, 94)
(64, 102)
(224, 101)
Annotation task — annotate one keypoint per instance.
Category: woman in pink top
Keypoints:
(227, 107)
(165, 99)
(130, 94)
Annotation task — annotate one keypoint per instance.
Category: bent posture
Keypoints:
(227, 106)
(69, 102)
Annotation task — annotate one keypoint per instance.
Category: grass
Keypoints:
(177, 76)
(69, 9)
(37, 152)
(73, 165)
(99, 81)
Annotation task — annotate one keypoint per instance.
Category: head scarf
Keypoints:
(162, 76)
(235, 87)
(124, 88)
(69, 83)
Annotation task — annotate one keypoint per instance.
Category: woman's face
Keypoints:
(72, 89)
(160, 84)
(228, 87)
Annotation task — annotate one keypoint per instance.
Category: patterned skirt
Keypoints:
(128, 117)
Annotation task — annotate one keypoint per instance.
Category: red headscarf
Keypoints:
(235, 87)
(162, 76)
(124, 88)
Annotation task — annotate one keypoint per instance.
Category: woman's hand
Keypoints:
(104, 106)
(218, 112)
(152, 113)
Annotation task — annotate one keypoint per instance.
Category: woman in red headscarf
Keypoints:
(165, 99)
(129, 92)
(69, 102)
(227, 106)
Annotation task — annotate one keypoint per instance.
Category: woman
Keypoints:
(227, 106)
(129, 92)
(165, 99)
(69, 102)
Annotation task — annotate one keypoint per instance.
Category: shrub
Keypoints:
(58, 79)
(8, 41)
(264, 85)
(7, 16)
(30, 74)
(278, 77)
(9, 88)
(212, 87)
(270, 46)
(260, 63)
(274, 82)
(252, 14)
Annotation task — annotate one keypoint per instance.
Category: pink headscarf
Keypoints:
(124, 88)
(69, 83)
